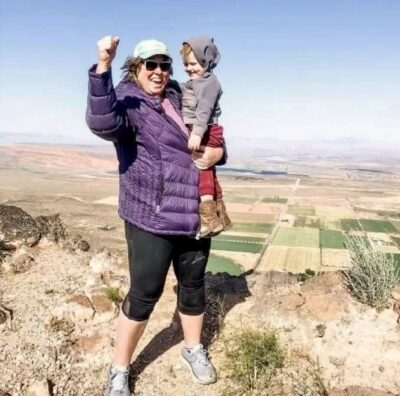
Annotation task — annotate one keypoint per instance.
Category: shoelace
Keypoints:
(119, 380)
(202, 357)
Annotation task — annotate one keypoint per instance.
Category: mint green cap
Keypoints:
(148, 48)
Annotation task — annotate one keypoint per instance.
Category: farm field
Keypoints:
(262, 228)
(237, 243)
(297, 237)
(331, 239)
(218, 264)
(301, 210)
(290, 259)
(370, 225)
(303, 215)
(274, 200)
(350, 225)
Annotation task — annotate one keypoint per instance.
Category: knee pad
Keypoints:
(138, 308)
(192, 297)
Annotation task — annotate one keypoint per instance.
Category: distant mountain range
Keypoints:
(349, 147)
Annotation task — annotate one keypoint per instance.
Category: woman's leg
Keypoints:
(127, 336)
(149, 260)
(190, 258)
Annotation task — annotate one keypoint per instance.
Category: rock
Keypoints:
(291, 301)
(320, 329)
(80, 299)
(91, 343)
(61, 324)
(75, 243)
(21, 263)
(324, 307)
(52, 227)
(74, 311)
(101, 262)
(83, 245)
(40, 388)
(3, 317)
(396, 292)
(323, 283)
(101, 303)
(107, 227)
(359, 391)
(17, 227)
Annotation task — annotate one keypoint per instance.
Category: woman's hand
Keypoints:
(107, 48)
(207, 158)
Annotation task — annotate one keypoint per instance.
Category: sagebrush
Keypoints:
(373, 273)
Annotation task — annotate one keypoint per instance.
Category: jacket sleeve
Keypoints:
(105, 115)
(207, 92)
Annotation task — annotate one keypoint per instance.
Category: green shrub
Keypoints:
(253, 359)
(113, 294)
(306, 275)
(373, 274)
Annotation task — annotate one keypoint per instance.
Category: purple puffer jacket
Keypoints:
(158, 180)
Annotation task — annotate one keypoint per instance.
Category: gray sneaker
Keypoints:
(118, 382)
(200, 366)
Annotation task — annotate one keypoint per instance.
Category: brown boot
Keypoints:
(209, 222)
(223, 215)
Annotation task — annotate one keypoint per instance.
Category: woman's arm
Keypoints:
(105, 116)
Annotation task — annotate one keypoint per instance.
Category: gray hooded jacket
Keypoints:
(200, 97)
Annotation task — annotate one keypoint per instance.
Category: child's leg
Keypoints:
(213, 137)
(210, 223)
(222, 213)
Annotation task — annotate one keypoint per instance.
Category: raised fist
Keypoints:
(107, 48)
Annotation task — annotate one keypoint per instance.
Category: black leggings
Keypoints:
(150, 256)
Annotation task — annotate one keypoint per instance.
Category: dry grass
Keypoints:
(253, 360)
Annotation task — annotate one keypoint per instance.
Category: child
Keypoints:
(200, 111)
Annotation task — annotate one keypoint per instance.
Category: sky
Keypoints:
(290, 69)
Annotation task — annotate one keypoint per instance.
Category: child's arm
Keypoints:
(207, 91)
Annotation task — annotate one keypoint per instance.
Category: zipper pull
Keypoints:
(158, 209)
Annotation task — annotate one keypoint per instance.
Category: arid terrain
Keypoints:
(57, 324)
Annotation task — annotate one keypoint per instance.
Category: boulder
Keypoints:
(40, 388)
(17, 228)
(52, 227)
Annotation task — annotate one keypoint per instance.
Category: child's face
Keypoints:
(192, 67)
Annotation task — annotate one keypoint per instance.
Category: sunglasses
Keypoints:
(151, 65)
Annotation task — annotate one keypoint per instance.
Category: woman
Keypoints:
(158, 198)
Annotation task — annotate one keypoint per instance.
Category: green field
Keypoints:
(301, 210)
(297, 237)
(371, 225)
(274, 200)
(253, 227)
(235, 243)
(331, 239)
(368, 225)
(218, 264)
(350, 225)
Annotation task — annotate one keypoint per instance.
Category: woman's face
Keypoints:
(153, 81)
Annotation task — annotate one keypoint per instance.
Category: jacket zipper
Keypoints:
(160, 193)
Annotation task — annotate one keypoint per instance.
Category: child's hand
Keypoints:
(194, 142)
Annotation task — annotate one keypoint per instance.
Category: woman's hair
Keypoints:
(186, 49)
(130, 69)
